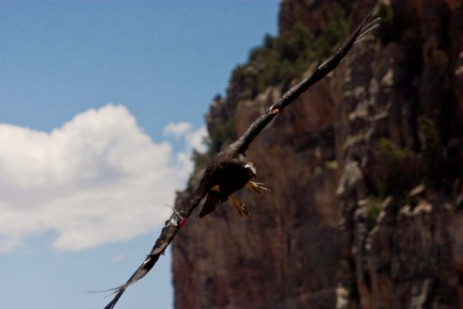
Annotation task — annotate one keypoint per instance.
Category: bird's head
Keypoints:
(250, 168)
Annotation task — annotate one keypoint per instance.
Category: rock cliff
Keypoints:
(365, 172)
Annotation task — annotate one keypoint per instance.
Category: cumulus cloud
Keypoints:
(97, 179)
(195, 138)
(177, 129)
(195, 141)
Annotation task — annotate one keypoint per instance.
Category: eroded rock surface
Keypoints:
(365, 175)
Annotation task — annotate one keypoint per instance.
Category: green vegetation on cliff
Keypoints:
(281, 59)
(277, 62)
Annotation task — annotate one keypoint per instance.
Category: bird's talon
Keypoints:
(240, 206)
(243, 211)
(256, 187)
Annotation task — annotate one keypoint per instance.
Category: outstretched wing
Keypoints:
(167, 235)
(172, 226)
(366, 26)
(240, 146)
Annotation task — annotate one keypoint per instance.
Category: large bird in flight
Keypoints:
(230, 171)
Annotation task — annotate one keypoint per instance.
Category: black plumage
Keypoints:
(230, 171)
(227, 176)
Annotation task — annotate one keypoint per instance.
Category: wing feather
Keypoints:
(172, 226)
(240, 146)
(365, 27)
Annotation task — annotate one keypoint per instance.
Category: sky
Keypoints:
(101, 104)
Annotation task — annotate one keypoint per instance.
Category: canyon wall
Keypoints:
(365, 173)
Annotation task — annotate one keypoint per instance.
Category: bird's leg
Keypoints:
(239, 206)
(256, 186)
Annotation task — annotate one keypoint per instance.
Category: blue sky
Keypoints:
(101, 103)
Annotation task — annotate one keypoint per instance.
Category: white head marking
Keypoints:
(251, 167)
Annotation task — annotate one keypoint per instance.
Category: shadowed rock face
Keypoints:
(365, 178)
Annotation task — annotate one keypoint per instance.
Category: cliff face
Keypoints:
(365, 176)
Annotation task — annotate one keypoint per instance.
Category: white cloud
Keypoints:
(97, 179)
(195, 139)
(177, 129)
